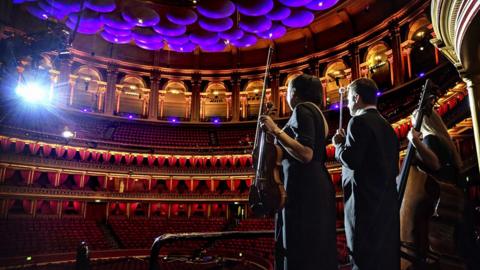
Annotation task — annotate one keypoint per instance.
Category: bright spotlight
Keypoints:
(67, 134)
(33, 93)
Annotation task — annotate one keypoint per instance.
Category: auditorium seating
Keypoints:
(52, 235)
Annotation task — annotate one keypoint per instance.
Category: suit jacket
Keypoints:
(370, 166)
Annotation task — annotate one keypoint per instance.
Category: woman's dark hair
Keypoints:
(308, 88)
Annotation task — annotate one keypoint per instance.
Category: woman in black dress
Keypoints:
(305, 228)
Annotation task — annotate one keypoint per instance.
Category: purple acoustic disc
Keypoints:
(255, 24)
(36, 11)
(70, 5)
(89, 29)
(182, 16)
(52, 11)
(115, 20)
(116, 31)
(246, 41)
(187, 47)
(215, 47)
(177, 40)
(141, 15)
(146, 35)
(254, 8)
(203, 37)
(279, 13)
(151, 46)
(276, 31)
(167, 28)
(215, 25)
(115, 39)
(216, 9)
(22, 1)
(89, 19)
(321, 4)
(101, 5)
(294, 3)
(299, 18)
(231, 34)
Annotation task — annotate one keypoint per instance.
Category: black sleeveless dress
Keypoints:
(305, 229)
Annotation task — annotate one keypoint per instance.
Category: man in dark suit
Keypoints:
(369, 155)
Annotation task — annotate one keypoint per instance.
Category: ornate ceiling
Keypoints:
(184, 25)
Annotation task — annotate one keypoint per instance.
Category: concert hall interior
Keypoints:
(125, 120)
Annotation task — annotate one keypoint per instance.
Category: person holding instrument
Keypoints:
(369, 157)
(305, 228)
(436, 156)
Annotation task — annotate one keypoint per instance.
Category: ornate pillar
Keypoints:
(71, 94)
(406, 50)
(162, 103)
(153, 98)
(313, 65)
(110, 102)
(195, 115)
(397, 52)
(63, 88)
(235, 97)
(229, 105)
(389, 55)
(355, 56)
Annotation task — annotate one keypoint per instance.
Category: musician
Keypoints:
(369, 155)
(305, 228)
(437, 156)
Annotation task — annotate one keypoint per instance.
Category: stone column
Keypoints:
(473, 86)
(196, 80)
(397, 52)
(110, 102)
(235, 97)
(355, 55)
(153, 98)
(63, 87)
(406, 50)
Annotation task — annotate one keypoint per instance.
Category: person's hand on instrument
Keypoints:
(339, 137)
(414, 136)
(267, 124)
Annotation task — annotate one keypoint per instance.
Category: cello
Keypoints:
(267, 194)
(430, 208)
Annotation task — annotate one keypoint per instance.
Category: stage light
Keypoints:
(29, 258)
(33, 93)
(130, 116)
(379, 94)
(422, 74)
(216, 120)
(68, 134)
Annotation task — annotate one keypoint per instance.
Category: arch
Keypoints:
(418, 29)
(215, 102)
(335, 69)
(174, 100)
(377, 63)
(252, 95)
(88, 89)
(132, 99)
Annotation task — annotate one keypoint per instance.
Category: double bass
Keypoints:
(429, 208)
(267, 194)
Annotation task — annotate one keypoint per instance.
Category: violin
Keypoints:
(267, 194)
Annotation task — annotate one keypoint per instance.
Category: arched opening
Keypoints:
(132, 97)
(250, 99)
(87, 92)
(378, 67)
(335, 77)
(174, 101)
(215, 103)
(423, 55)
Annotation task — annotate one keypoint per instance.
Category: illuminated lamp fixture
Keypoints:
(422, 74)
(67, 133)
(33, 92)
(379, 93)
